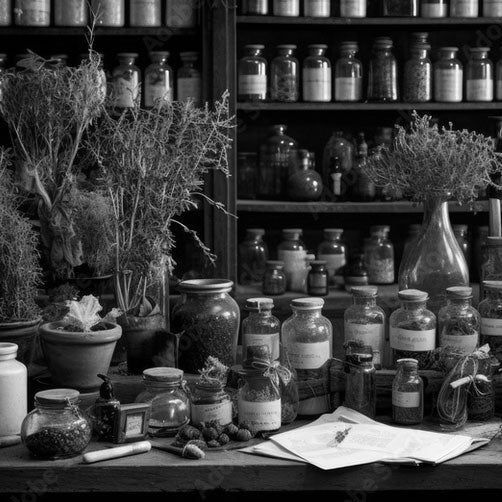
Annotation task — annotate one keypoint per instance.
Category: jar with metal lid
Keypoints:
(491, 262)
(108, 12)
(247, 175)
(181, 13)
(285, 75)
(333, 251)
(317, 279)
(400, 8)
(407, 393)
(360, 383)
(380, 256)
(189, 79)
(461, 235)
(382, 73)
(293, 253)
(126, 78)
(348, 74)
(308, 338)
(364, 321)
(492, 8)
(70, 12)
(412, 331)
(209, 401)
(317, 8)
(145, 13)
(464, 8)
(490, 310)
(479, 75)
(254, 7)
(448, 76)
(288, 8)
(32, 12)
(165, 391)
(5, 12)
(434, 8)
(417, 86)
(353, 8)
(252, 74)
(56, 428)
(274, 279)
(252, 256)
(316, 74)
(158, 80)
(355, 272)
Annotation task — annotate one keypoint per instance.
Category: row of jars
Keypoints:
(316, 81)
(363, 8)
(110, 13)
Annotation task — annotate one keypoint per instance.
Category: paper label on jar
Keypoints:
(253, 84)
(406, 399)
(155, 92)
(370, 334)
(189, 88)
(317, 8)
(286, 7)
(317, 84)
(262, 416)
(412, 341)
(348, 88)
(464, 344)
(271, 341)
(492, 8)
(353, 8)
(448, 85)
(491, 327)
(433, 10)
(308, 356)
(479, 90)
(333, 262)
(222, 412)
(464, 8)
(126, 91)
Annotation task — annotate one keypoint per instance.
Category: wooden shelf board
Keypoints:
(70, 31)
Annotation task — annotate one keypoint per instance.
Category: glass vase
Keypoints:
(436, 262)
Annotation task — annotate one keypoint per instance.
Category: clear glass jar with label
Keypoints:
(252, 257)
(407, 393)
(182, 13)
(479, 76)
(261, 327)
(252, 74)
(158, 80)
(285, 75)
(400, 8)
(288, 8)
(334, 252)
(108, 12)
(464, 8)
(382, 73)
(126, 77)
(316, 75)
(32, 12)
(412, 329)
(434, 8)
(70, 12)
(316, 8)
(308, 338)
(274, 279)
(492, 8)
(364, 321)
(209, 401)
(490, 310)
(459, 322)
(461, 233)
(417, 85)
(5, 12)
(254, 7)
(379, 256)
(353, 8)
(145, 13)
(292, 252)
(348, 74)
(189, 79)
(317, 279)
(448, 76)
(360, 383)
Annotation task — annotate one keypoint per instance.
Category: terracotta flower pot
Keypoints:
(75, 358)
(24, 335)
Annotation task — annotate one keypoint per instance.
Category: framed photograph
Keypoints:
(131, 422)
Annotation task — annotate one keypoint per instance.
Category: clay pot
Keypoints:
(24, 335)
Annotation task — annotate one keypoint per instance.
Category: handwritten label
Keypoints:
(254, 85)
(464, 344)
(262, 416)
(348, 88)
(406, 399)
(309, 356)
(412, 341)
(491, 327)
(222, 412)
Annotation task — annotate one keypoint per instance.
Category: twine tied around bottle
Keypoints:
(273, 370)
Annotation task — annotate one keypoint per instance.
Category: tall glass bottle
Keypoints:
(365, 189)
(348, 74)
(448, 76)
(252, 258)
(417, 86)
(126, 79)
(316, 74)
(158, 79)
(334, 252)
(252, 74)
(285, 75)
(380, 256)
(189, 79)
(292, 252)
(382, 73)
(479, 76)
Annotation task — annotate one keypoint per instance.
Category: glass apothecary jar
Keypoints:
(461, 233)
(360, 383)
(348, 74)
(364, 321)
(252, 74)
(353, 8)
(464, 8)
(109, 12)
(247, 175)
(288, 8)
(158, 80)
(189, 79)
(56, 428)
(254, 7)
(316, 75)
(126, 78)
(293, 254)
(308, 338)
(448, 76)
(382, 72)
(412, 329)
(407, 393)
(334, 252)
(274, 279)
(305, 184)
(434, 8)
(341, 148)
(417, 85)
(252, 257)
(209, 401)
(145, 13)
(400, 8)
(317, 279)
(379, 256)
(207, 320)
(32, 12)
(317, 8)
(285, 75)
(492, 8)
(70, 12)
(5, 12)
(182, 13)
(479, 75)
(165, 391)
(490, 310)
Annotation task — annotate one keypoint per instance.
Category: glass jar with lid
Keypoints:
(417, 85)
(145, 13)
(407, 393)
(56, 428)
(292, 252)
(305, 184)
(189, 79)
(274, 279)
(348, 74)
(412, 329)
(464, 8)
(108, 12)
(492, 8)
(400, 8)
(5, 12)
(353, 8)
(288, 8)
(181, 13)
(434, 8)
(317, 8)
(308, 338)
(461, 233)
(252, 74)
(360, 383)
(382, 73)
(285, 75)
(252, 257)
(165, 391)
(490, 310)
(209, 401)
(316, 74)
(254, 7)
(158, 80)
(32, 12)
(364, 321)
(341, 148)
(70, 12)
(334, 252)
(247, 175)
(479, 75)
(317, 279)
(380, 256)
(126, 78)
(448, 76)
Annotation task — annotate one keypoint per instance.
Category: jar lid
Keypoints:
(493, 241)
(317, 46)
(479, 49)
(254, 46)
(333, 231)
(259, 304)
(7, 348)
(459, 292)
(359, 357)
(286, 46)
(421, 46)
(57, 396)
(205, 286)
(492, 285)
(292, 231)
(307, 303)
(275, 264)
(449, 49)
(160, 53)
(127, 54)
(379, 228)
(163, 374)
(318, 263)
(413, 295)
(408, 360)
(364, 291)
(256, 231)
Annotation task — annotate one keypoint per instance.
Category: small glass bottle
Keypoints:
(164, 389)
(341, 148)
(189, 79)
(458, 322)
(104, 411)
(288, 8)
(126, 79)
(247, 175)
(181, 13)
(355, 272)
(252, 257)
(108, 12)
(479, 76)
(158, 80)
(252, 74)
(293, 253)
(254, 7)
(400, 8)
(348, 74)
(407, 393)
(334, 252)
(417, 86)
(145, 13)
(364, 321)
(70, 12)
(461, 234)
(380, 256)
(316, 8)
(492, 8)
(382, 73)
(308, 337)
(490, 310)
(317, 279)
(434, 8)
(448, 76)
(360, 383)
(274, 279)
(32, 12)
(316, 75)
(209, 401)
(353, 8)
(261, 327)
(285, 75)
(305, 184)
(464, 8)
(412, 329)
(5, 12)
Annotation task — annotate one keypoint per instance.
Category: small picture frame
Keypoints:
(131, 422)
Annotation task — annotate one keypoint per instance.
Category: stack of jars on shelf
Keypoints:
(445, 80)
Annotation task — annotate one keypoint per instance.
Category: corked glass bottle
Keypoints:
(316, 75)
(382, 73)
(360, 383)
(252, 74)
(407, 393)
(285, 75)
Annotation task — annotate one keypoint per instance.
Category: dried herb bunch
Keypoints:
(20, 270)
(428, 159)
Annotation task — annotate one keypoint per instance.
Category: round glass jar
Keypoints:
(407, 393)
(316, 75)
(490, 310)
(32, 12)
(70, 12)
(353, 8)
(448, 76)
(145, 13)
(252, 74)
(207, 318)
(479, 76)
(126, 78)
(417, 86)
(274, 279)
(304, 184)
(5, 12)
(285, 75)
(288, 8)
(348, 74)
(334, 252)
(189, 79)
(379, 256)
(109, 12)
(492, 8)
(158, 80)
(434, 8)
(464, 8)
(209, 401)
(56, 428)
(382, 73)
(252, 257)
(164, 390)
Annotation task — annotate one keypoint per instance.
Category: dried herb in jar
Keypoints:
(407, 393)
